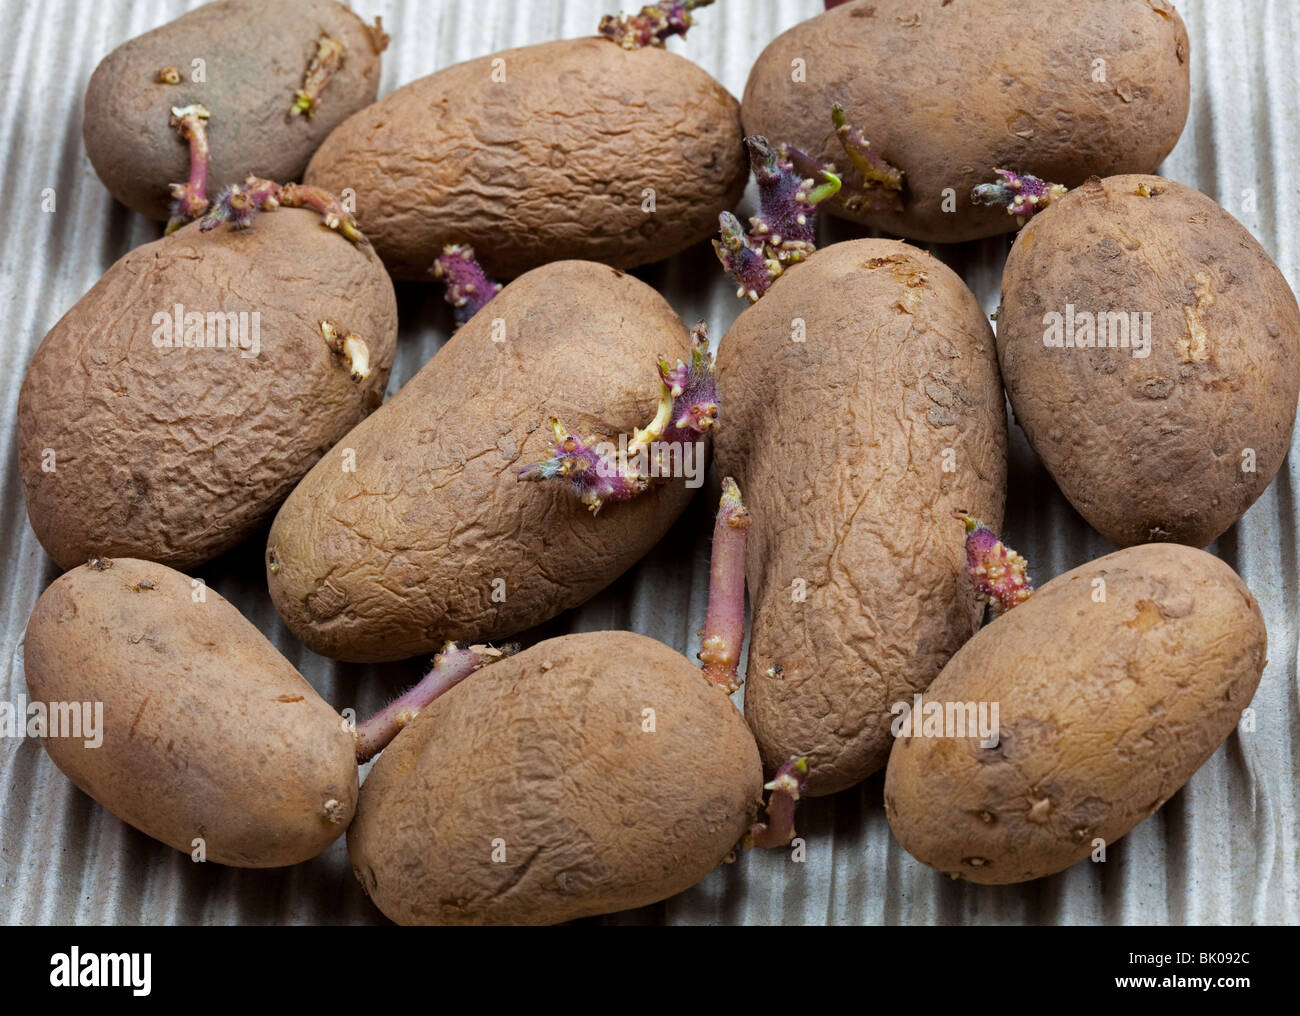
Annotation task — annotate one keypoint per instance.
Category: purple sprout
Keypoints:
(592, 474)
(788, 196)
(784, 790)
(791, 186)
(239, 204)
(652, 26)
(721, 640)
(688, 409)
(190, 199)
(744, 258)
(1021, 194)
(999, 574)
(688, 398)
(327, 206)
(468, 286)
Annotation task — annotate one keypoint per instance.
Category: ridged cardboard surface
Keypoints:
(1224, 850)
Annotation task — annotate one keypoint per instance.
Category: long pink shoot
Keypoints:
(190, 199)
(450, 667)
(724, 624)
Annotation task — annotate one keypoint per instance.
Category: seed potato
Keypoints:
(254, 56)
(129, 447)
(432, 536)
(861, 407)
(534, 792)
(555, 161)
(1175, 436)
(949, 92)
(1115, 682)
(208, 732)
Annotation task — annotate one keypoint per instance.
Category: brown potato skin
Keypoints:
(549, 164)
(1150, 449)
(547, 751)
(838, 443)
(176, 455)
(256, 56)
(949, 92)
(1105, 711)
(391, 560)
(208, 731)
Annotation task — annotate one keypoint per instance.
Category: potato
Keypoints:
(534, 793)
(254, 59)
(861, 406)
(557, 161)
(418, 530)
(174, 454)
(1172, 432)
(207, 732)
(1113, 684)
(949, 92)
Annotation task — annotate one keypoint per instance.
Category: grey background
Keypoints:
(1224, 850)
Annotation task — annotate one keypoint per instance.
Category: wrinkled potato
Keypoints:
(557, 161)
(1113, 684)
(254, 58)
(861, 407)
(418, 529)
(132, 448)
(535, 793)
(208, 733)
(1170, 426)
(949, 92)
